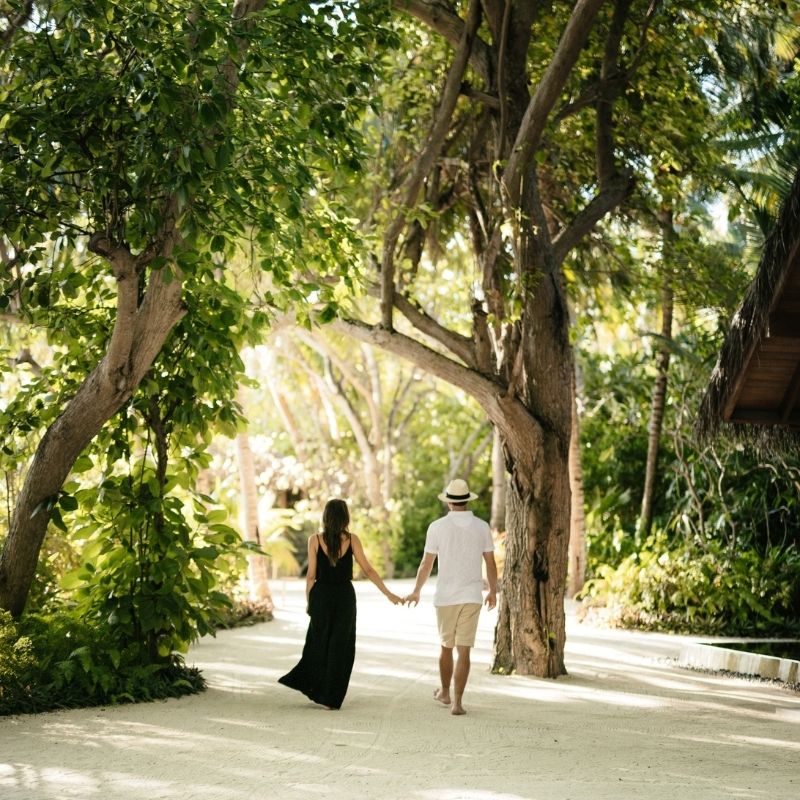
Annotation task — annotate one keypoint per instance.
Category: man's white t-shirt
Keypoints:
(459, 540)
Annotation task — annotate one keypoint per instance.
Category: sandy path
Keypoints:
(623, 724)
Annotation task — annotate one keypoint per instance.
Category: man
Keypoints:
(459, 540)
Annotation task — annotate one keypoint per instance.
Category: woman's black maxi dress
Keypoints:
(323, 672)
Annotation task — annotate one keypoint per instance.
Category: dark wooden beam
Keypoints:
(784, 324)
(750, 416)
(789, 402)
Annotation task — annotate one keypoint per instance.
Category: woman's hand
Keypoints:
(393, 598)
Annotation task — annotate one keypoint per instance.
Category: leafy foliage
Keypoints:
(668, 585)
(57, 661)
(107, 108)
(153, 547)
(725, 557)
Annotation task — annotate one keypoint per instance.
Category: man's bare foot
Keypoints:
(457, 709)
(442, 696)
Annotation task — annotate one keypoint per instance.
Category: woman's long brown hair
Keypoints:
(335, 519)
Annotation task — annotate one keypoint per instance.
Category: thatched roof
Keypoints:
(755, 386)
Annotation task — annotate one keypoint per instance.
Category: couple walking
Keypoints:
(460, 540)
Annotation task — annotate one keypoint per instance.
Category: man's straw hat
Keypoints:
(457, 491)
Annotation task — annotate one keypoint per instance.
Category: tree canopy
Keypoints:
(522, 201)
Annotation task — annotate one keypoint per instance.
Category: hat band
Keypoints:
(456, 496)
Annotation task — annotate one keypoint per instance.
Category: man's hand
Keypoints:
(491, 600)
(412, 598)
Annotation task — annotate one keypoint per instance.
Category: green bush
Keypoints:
(56, 661)
(243, 612)
(688, 590)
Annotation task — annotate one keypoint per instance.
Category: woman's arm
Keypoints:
(369, 570)
(311, 574)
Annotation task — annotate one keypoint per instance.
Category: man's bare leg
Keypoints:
(445, 675)
(461, 675)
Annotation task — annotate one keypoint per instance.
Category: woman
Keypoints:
(330, 649)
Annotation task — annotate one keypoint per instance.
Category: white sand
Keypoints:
(623, 724)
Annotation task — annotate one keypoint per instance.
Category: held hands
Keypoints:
(412, 598)
(395, 599)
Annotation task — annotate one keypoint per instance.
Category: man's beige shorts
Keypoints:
(458, 624)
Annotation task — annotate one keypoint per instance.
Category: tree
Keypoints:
(256, 563)
(659, 397)
(375, 409)
(544, 118)
(140, 144)
(550, 120)
(576, 571)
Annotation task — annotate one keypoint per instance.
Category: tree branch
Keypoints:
(324, 349)
(505, 410)
(501, 81)
(468, 90)
(458, 345)
(15, 23)
(546, 94)
(427, 158)
(441, 18)
(609, 89)
(615, 191)
(26, 357)
(116, 361)
(613, 186)
(369, 456)
(394, 430)
(622, 78)
(470, 452)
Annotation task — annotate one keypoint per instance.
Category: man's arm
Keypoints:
(423, 573)
(491, 578)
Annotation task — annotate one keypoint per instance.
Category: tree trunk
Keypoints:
(532, 601)
(138, 335)
(257, 568)
(538, 515)
(140, 329)
(576, 572)
(497, 520)
(519, 371)
(659, 397)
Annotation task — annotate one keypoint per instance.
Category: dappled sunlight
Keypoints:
(467, 794)
(239, 669)
(593, 695)
(347, 731)
(756, 743)
(313, 788)
(398, 649)
(762, 741)
(563, 691)
(624, 718)
(391, 672)
(264, 639)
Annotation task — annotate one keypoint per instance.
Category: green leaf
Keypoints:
(68, 502)
(82, 464)
(55, 518)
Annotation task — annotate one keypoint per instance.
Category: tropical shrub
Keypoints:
(59, 661)
(675, 587)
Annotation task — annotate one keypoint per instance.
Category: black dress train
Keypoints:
(323, 672)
